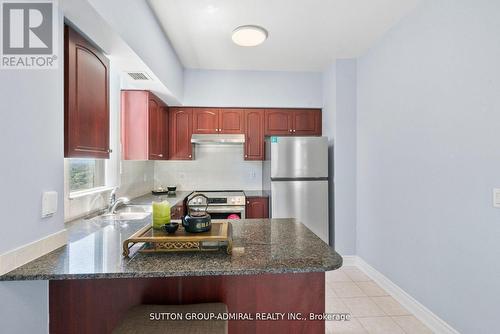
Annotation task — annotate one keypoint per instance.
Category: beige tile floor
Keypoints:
(373, 311)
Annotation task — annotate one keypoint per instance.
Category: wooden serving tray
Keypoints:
(159, 241)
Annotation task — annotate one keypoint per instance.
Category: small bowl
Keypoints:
(172, 189)
(171, 227)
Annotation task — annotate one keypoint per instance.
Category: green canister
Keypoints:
(161, 214)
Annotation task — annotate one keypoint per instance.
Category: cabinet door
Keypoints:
(205, 120)
(257, 207)
(165, 132)
(307, 122)
(155, 135)
(278, 122)
(254, 134)
(180, 123)
(86, 105)
(231, 121)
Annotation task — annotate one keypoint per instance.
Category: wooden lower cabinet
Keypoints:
(177, 212)
(98, 305)
(257, 207)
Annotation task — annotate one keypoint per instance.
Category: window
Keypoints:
(85, 174)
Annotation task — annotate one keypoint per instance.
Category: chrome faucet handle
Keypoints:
(112, 196)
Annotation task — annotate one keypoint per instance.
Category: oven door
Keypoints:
(222, 211)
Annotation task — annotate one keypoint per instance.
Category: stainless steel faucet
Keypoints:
(114, 202)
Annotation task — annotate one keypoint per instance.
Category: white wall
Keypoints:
(329, 92)
(345, 157)
(137, 25)
(428, 158)
(214, 168)
(252, 89)
(32, 150)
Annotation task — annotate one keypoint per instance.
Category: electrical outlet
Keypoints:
(496, 197)
(49, 203)
(253, 175)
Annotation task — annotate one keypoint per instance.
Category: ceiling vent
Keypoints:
(139, 76)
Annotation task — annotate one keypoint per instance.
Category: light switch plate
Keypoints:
(496, 197)
(49, 203)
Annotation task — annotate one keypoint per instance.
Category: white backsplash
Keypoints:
(137, 178)
(216, 167)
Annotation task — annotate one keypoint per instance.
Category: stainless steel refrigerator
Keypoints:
(295, 173)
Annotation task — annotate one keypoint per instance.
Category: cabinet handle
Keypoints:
(293, 130)
(189, 156)
(290, 130)
(248, 202)
(160, 155)
(246, 155)
(110, 150)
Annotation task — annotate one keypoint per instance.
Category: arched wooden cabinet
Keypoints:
(86, 98)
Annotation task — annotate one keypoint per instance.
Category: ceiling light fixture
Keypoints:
(249, 35)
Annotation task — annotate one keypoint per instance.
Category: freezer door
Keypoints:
(307, 201)
(299, 157)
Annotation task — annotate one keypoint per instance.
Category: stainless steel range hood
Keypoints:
(226, 139)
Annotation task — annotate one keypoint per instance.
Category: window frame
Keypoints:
(85, 192)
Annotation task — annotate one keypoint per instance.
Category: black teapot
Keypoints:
(197, 221)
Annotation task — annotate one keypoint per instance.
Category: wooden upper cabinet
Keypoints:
(231, 121)
(86, 99)
(295, 122)
(143, 126)
(254, 134)
(180, 129)
(157, 129)
(205, 120)
(307, 122)
(278, 122)
(257, 207)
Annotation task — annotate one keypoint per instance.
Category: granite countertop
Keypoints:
(260, 246)
(256, 193)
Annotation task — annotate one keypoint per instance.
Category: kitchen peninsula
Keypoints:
(277, 265)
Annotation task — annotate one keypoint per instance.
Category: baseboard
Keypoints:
(349, 260)
(24, 254)
(431, 320)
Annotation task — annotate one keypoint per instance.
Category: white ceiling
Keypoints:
(304, 35)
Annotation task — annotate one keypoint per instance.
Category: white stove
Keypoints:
(222, 204)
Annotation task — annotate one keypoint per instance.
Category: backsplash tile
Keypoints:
(215, 167)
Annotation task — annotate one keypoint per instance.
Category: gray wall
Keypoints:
(428, 158)
(345, 157)
(252, 88)
(329, 92)
(339, 125)
(32, 162)
(136, 23)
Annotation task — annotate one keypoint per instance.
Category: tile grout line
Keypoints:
(371, 298)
